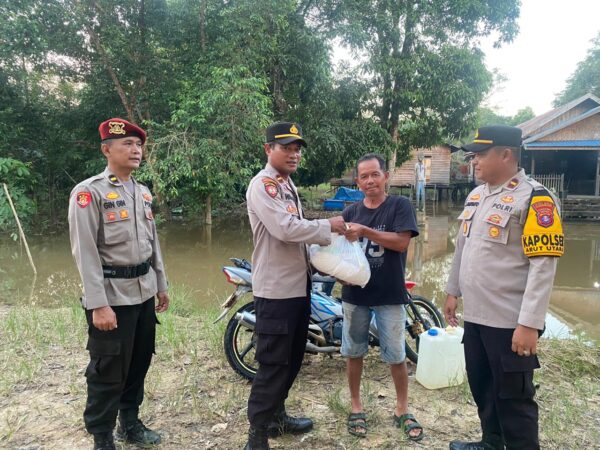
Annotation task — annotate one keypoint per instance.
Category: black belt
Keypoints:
(126, 271)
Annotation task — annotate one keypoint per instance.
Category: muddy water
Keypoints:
(194, 257)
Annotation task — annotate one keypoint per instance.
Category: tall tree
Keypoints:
(428, 76)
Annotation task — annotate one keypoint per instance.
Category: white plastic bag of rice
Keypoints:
(342, 259)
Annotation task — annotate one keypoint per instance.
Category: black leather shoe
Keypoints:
(257, 439)
(283, 424)
(104, 441)
(460, 445)
(137, 433)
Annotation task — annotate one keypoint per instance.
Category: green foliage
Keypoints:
(585, 79)
(212, 143)
(18, 179)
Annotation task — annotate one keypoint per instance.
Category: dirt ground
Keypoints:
(196, 401)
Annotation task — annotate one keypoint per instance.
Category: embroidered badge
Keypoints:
(124, 214)
(495, 218)
(111, 217)
(147, 197)
(270, 187)
(292, 209)
(475, 197)
(543, 232)
(112, 196)
(84, 199)
(513, 183)
(466, 227)
(508, 199)
(544, 213)
(293, 129)
(116, 128)
(494, 232)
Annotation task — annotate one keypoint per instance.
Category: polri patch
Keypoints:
(111, 216)
(495, 219)
(124, 214)
(270, 187)
(292, 209)
(475, 197)
(84, 199)
(542, 232)
(507, 199)
(112, 196)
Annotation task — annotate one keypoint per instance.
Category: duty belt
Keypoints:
(126, 271)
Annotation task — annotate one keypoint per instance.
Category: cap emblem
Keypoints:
(293, 129)
(116, 128)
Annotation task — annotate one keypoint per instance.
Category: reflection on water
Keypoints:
(194, 257)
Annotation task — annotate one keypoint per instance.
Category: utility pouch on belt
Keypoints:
(126, 271)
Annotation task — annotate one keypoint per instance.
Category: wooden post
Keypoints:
(20, 228)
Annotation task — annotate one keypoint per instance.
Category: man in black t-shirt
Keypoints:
(384, 226)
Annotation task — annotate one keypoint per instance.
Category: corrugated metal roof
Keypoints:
(561, 144)
(564, 124)
(531, 126)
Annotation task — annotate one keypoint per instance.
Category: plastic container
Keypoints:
(441, 358)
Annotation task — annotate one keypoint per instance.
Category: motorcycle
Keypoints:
(326, 319)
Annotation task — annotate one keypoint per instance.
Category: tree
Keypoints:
(428, 76)
(585, 79)
(212, 145)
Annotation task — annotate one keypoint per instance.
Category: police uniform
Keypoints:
(280, 281)
(503, 267)
(116, 249)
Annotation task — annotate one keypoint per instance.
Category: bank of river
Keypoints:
(196, 401)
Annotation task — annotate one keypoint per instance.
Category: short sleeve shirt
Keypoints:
(386, 286)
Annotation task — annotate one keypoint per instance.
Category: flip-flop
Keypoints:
(401, 422)
(357, 421)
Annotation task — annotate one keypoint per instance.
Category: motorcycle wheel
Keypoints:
(431, 318)
(239, 344)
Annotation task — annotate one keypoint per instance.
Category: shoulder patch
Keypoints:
(543, 232)
(84, 198)
(270, 186)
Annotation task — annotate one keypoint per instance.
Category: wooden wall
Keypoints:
(584, 130)
(439, 172)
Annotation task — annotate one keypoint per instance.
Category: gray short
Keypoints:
(391, 321)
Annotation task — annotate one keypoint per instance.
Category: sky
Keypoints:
(554, 36)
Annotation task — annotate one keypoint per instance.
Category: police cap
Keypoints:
(495, 136)
(285, 133)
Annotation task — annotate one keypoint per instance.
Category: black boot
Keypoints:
(257, 439)
(282, 424)
(489, 442)
(104, 441)
(132, 430)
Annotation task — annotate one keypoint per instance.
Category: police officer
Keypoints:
(281, 282)
(116, 249)
(503, 267)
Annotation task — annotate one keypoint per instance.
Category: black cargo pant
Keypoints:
(282, 328)
(501, 382)
(119, 362)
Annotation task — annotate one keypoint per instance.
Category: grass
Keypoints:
(197, 402)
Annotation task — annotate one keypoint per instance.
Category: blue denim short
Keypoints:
(391, 321)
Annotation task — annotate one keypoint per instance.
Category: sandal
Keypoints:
(357, 424)
(401, 422)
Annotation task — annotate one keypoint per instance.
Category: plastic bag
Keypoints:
(343, 260)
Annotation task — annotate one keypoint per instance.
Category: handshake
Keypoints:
(352, 231)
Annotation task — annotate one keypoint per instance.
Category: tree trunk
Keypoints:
(202, 20)
(208, 210)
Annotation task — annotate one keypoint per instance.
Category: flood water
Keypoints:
(194, 256)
